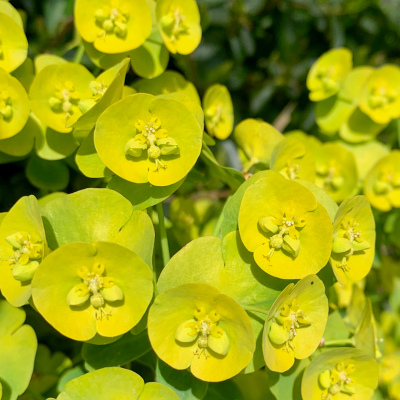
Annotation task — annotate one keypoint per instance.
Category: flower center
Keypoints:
(98, 89)
(329, 177)
(65, 99)
(111, 21)
(285, 229)
(155, 140)
(174, 25)
(214, 116)
(285, 323)
(347, 241)
(381, 95)
(337, 381)
(6, 110)
(329, 77)
(28, 253)
(97, 288)
(387, 183)
(204, 328)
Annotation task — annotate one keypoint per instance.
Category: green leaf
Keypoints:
(336, 328)
(124, 350)
(18, 346)
(183, 383)
(224, 390)
(143, 195)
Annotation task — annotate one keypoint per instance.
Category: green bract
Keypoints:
(13, 43)
(340, 374)
(22, 248)
(382, 184)
(327, 73)
(114, 383)
(218, 111)
(295, 323)
(113, 26)
(380, 98)
(147, 139)
(18, 346)
(56, 91)
(257, 140)
(14, 106)
(353, 245)
(83, 289)
(288, 231)
(179, 25)
(196, 326)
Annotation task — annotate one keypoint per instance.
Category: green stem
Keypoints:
(339, 343)
(79, 53)
(256, 309)
(163, 233)
(218, 225)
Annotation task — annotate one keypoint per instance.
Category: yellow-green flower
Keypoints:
(380, 98)
(295, 323)
(196, 326)
(328, 72)
(13, 43)
(340, 374)
(22, 248)
(256, 141)
(56, 92)
(293, 160)
(83, 289)
(179, 25)
(382, 184)
(14, 106)
(147, 139)
(353, 245)
(288, 231)
(113, 26)
(336, 170)
(218, 111)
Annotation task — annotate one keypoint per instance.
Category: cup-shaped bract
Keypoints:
(257, 140)
(13, 43)
(340, 374)
(85, 288)
(327, 73)
(293, 160)
(380, 98)
(179, 24)
(56, 91)
(22, 248)
(114, 383)
(353, 246)
(113, 26)
(14, 105)
(196, 326)
(218, 111)
(106, 89)
(382, 184)
(142, 139)
(289, 232)
(295, 323)
(336, 170)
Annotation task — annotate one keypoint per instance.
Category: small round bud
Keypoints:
(276, 242)
(97, 300)
(154, 152)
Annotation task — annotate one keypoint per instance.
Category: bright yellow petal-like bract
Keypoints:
(340, 374)
(295, 324)
(179, 25)
(353, 246)
(86, 289)
(327, 73)
(382, 184)
(288, 231)
(113, 26)
(196, 326)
